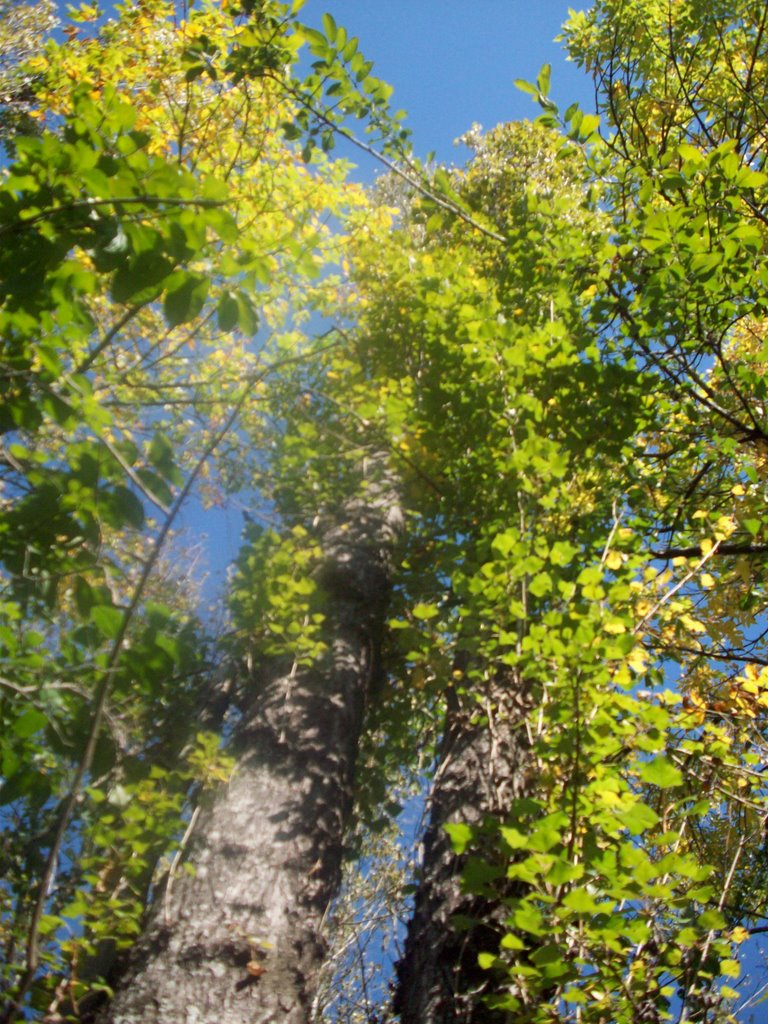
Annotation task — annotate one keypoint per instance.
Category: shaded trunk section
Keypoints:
(240, 940)
(484, 764)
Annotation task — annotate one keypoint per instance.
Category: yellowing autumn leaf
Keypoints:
(724, 527)
(688, 622)
(614, 560)
(638, 659)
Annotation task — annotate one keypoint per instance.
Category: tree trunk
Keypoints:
(484, 764)
(239, 941)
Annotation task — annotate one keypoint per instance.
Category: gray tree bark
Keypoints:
(240, 941)
(484, 764)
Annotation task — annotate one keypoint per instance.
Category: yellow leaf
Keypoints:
(693, 624)
(609, 799)
(638, 659)
(730, 968)
(614, 560)
(707, 580)
(669, 698)
(623, 676)
(724, 527)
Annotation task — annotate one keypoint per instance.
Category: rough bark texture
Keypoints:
(241, 942)
(484, 763)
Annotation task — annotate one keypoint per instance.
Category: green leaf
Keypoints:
(161, 455)
(529, 919)
(638, 818)
(589, 124)
(227, 312)
(528, 87)
(582, 901)
(425, 611)
(660, 772)
(107, 619)
(460, 835)
(142, 275)
(563, 871)
(690, 154)
(29, 722)
(124, 508)
(543, 79)
(562, 553)
(240, 308)
(541, 585)
(185, 297)
(330, 28)
(711, 920)
(515, 839)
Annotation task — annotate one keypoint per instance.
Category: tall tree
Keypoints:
(148, 234)
(241, 936)
(490, 439)
(676, 297)
(615, 860)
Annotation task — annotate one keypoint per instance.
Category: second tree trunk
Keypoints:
(484, 765)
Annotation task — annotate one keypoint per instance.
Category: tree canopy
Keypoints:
(500, 432)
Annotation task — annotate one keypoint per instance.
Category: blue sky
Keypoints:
(453, 63)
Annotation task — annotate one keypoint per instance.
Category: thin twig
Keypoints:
(681, 583)
(92, 204)
(406, 176)
(175, 864)
(108, 338)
